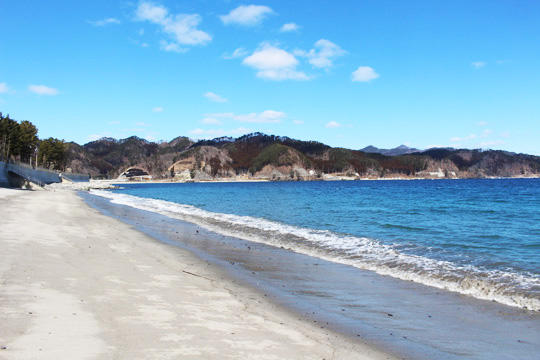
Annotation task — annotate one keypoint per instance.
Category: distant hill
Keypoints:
(400, 150)
(262, 156)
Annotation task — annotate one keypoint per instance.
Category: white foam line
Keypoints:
(364, 253)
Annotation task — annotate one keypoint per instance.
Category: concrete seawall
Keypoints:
(16, 174)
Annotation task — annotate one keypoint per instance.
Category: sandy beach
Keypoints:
(75, 284)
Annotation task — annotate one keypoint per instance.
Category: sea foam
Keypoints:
(513, 289)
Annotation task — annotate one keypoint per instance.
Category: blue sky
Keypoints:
(346, 73)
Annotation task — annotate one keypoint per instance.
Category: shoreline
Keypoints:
(402, 317)
(73, 278)
(112, 183)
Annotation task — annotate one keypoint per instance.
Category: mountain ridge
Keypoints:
(398, 150)
(271, 157)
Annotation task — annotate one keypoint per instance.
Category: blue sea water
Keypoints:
(477, 237)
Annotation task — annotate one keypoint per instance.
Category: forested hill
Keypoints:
(281, 158)
(255, 156)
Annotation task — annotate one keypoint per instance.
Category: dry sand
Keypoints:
(75, 284)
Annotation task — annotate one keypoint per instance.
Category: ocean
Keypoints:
(469, 246)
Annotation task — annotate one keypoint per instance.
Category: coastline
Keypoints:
(112, 183)
(73, 278)
(405, 318)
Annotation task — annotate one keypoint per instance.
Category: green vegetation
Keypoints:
(107, 157)
(271, 155)
(52, 154)
(19, 142)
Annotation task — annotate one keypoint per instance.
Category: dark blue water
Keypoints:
(476, 237)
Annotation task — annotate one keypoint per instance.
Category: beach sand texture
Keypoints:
(75, 284)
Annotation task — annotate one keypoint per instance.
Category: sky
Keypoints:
(458, 73)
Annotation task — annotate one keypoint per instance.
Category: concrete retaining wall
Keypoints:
(14, 175)
(36, 175)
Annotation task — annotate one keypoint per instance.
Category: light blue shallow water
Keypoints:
(476, 237)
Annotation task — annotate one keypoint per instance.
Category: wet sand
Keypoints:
(76, 284)
(407, 319)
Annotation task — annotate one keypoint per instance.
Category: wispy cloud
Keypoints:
(298, 122)
(323, 53)
(483, 139)
(273, 63)
(211, 121)
(478, 64)
(104, 22)
(158, 109)
(267, 116)
(463, 138)
(246, 15)
(364, 74)
(42, 90)
(332, 124)
(214, 97)
(4, 88)
(491, 143)
(170, 47)
(289, 27)
(182, 29)
(237, 53)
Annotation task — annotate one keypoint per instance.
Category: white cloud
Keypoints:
(289, 27)
(211, 121)
(364, 74)
(158, 109)
(274, 63)
(214, 97)
(42, 90)
(478, 64)
(464, 138)
(181, 28)
(4, 88)
(491, 143)
(237, 53)
(323, 53)
(332, 124)
(298, 122)
(246, 15)
(170, 47)
(104, 22)
(213, 133)
(267, 116)
(484, 134)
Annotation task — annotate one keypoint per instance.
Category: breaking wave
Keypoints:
(509, 288)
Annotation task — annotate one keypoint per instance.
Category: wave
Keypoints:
(509, 288)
